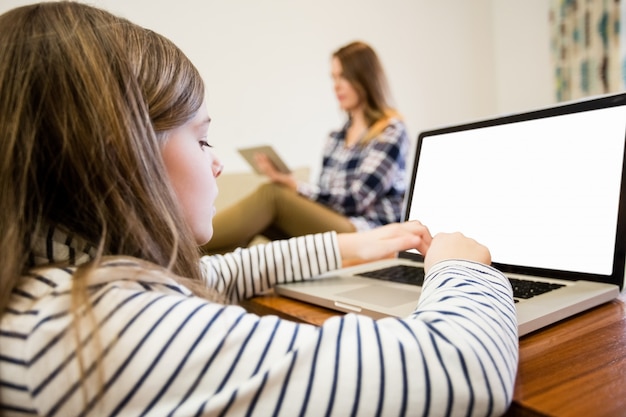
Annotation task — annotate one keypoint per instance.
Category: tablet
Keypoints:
(248, 154)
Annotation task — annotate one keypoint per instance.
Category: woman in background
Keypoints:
(108, 187)
(363, 177)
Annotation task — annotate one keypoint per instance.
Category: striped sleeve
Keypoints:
(167, 353)
(250, 271)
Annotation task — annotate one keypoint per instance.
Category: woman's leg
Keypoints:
(275, 210)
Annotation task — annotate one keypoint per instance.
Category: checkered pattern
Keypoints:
(365, 183)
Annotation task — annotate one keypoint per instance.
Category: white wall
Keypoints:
(266, 63)
(521, 36)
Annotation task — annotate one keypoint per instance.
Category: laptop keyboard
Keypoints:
(414, 275)
(406, 274)
(527, 289)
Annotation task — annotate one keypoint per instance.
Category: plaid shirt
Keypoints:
(364, 183)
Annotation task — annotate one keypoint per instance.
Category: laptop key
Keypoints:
(527, 289)
(405, 274)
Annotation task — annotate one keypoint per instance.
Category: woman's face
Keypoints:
(192, 169)
(347, 96)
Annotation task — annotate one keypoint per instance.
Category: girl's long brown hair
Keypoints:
(86, 100)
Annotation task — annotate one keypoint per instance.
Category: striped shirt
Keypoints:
(365, 183)
(166, 352)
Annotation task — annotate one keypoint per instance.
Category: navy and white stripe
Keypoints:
(166, 352)
(365, 183)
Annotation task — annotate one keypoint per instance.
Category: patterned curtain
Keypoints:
(622, 40)
(585, 43)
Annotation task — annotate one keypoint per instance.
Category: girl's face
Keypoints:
(192, 169)
(347, 96)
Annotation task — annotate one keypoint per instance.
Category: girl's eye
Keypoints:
(204, 144)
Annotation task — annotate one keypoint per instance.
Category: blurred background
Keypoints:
(266, 63)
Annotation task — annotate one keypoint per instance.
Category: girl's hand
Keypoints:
(387, 241)
(446, 246)
(384, 241)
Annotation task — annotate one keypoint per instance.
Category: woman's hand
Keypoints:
(384, 241)
(446, 246)
(266, 166)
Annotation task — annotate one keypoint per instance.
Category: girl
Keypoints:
(107, 187)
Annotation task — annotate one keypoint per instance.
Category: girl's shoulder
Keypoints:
(120, 271)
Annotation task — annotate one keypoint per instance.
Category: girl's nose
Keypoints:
(218, 167)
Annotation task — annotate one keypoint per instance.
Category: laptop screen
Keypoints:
(541, 190)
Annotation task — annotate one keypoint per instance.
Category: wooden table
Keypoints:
(574, 368)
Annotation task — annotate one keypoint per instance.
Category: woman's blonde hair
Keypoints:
(86, 100)
(364, 71)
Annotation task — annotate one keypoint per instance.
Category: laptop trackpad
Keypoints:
(380, 295)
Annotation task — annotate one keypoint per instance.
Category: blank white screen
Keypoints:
(541, 193)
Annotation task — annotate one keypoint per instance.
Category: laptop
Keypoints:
(544, 190)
